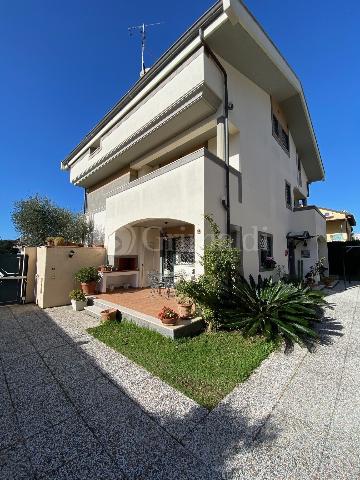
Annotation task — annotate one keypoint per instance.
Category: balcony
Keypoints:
(182, 190)
(188, 96)
(309, 219)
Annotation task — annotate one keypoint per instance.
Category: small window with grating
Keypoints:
(288, 196)
(275, 125)
(299, 176)
(184, 250)
(280, 134)
(266, 258)
(95, 147)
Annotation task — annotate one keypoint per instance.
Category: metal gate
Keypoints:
(13, 270)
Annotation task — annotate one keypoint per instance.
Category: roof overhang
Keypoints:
(255, 56)
(305, 235)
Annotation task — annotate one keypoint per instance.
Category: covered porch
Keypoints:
(307, 242)
(148, 251)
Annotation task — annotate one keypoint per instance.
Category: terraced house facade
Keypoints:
(218, 125)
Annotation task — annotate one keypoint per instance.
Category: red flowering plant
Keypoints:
(167, 313)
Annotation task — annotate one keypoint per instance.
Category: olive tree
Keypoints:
(37, 218)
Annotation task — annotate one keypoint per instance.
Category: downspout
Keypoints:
(211, 54)
(85, 201)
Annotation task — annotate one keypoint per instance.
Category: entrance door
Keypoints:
(177, 253)
(167, 256)
(13, 269)
(291, 249)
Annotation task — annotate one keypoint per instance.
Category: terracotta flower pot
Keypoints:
(88, 288)
(169, 321)
(108, 315)
(185, 310)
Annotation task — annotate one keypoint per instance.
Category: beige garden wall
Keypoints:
(56, 269)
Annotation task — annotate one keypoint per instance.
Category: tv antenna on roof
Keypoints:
(142, 30)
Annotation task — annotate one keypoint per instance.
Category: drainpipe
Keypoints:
(227, 107)
(85, 201)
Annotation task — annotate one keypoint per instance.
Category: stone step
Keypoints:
(94, 310)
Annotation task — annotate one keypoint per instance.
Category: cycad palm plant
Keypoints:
(274, 309)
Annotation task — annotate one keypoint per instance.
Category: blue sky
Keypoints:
(65, 63)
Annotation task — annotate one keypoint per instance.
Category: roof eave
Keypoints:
(210, 15)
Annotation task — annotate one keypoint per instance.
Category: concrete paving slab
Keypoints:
(40, 407)
(85, 394)
(10, 433)
(59, 445)
(27, 369)
(97, 465)
(158, 400)
(15, 464)
(138, 444)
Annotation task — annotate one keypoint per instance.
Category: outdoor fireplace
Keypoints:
(123, 263)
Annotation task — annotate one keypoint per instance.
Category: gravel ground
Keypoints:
(72, 408)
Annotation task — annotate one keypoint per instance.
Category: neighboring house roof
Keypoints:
(332, 215)
(229, 22)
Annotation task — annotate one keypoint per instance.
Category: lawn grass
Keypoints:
(205, 368)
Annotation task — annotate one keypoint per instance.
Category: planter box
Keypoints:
(78, 305)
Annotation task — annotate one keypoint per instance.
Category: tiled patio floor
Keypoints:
(72, 408)
(141, 299)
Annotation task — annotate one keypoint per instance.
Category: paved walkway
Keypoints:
(72, 408)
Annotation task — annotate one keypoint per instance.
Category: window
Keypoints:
(288, 199)
(275, 125)
(184, 250)
(95, 147)
(299, 178)
(280, 134)
(266, 251)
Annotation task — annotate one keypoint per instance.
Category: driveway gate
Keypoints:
(13, 270)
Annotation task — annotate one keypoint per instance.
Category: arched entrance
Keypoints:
(161, 245)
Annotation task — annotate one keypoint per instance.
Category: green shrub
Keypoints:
(274, 309)
(77, 295)
(87, 275)
(210, 291)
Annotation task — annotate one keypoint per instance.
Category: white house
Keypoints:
(218, 125)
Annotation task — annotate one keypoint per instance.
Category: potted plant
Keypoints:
(78, 299)
(317, 269)
(327, 281)
(108, 315)
(50, 241)
(59, 241)
(184, 307)
(105, 268)
(88, 277)
(168, 316)
(270, 263)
